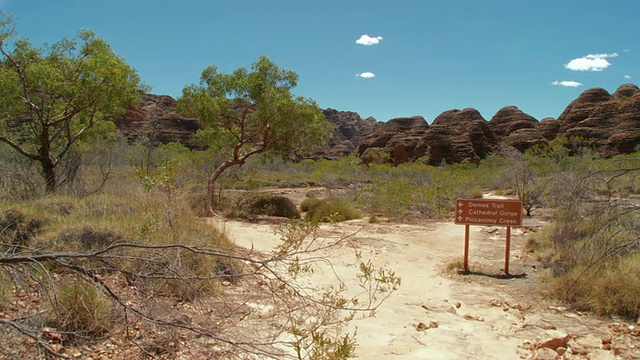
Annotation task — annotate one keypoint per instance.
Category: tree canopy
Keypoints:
(251, 111)
(53, 97)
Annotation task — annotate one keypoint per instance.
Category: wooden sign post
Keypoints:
(494, 212)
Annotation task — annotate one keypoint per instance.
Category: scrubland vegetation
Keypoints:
(100, 236)
(133, 216)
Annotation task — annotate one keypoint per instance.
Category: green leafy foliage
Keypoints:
(249, 112)
(60, 96)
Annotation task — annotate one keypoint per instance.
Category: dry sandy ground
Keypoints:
(439, 314)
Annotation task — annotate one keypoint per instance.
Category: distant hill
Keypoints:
(612, 121)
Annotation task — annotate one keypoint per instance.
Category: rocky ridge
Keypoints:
(157, 121)
(611, 121)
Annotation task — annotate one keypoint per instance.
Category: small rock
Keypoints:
(561, 350)
(422, 326)
(452, 310)
(578, 350)
(556, 342)
(618, 350)
(546, 354)
(471, 317)
(558, 308)
(458, 305)
(58, 348)
(491, 230)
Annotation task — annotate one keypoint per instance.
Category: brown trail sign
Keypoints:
(488, 212)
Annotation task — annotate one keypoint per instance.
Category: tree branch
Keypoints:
(19, 149)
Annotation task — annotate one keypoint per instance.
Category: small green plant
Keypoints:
(320, 344)
(455, 266)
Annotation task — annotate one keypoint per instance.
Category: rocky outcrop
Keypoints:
(397, 138)
(512, 127)
(611, 121)
(454, 136)
(549, 128)
(349, 131)
(458, 135)
(156, 119)
(510, 119)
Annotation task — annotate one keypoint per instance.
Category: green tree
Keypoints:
(54, 97)
(252, 111)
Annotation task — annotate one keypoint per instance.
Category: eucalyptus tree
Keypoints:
(57, 96)
(252, 111)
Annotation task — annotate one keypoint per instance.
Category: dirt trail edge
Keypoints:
(439, 314)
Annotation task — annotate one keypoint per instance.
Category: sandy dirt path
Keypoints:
(439, 314)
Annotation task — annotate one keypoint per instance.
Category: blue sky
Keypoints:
(419, 57)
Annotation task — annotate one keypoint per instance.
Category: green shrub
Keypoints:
(332, 209)
(270, 205)
(308, 203)
(474, 193)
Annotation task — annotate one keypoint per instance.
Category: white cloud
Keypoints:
(368, 40)
(627, 76)
(567, 83)
(591, 62)
(366, 75)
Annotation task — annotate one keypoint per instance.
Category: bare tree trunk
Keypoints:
(48, 166)
(212, 182)
(210, 195)
(49, 176)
